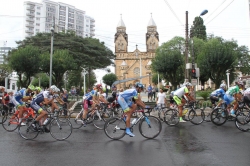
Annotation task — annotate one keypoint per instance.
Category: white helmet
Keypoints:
(223, 86)
(53, 88)
(187, 84)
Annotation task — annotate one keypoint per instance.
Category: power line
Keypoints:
(172, 11)
(220, 12)
(215, 10)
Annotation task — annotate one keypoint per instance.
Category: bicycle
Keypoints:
(161, 112)
(190, 113)
(149, 126)
(220, 115)
(10, 120)
(60, 130)
(242, 119)
(97, 117)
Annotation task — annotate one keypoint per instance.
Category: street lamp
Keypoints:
(51, 53)
(84, 72)
(228, 73)
(136, 53)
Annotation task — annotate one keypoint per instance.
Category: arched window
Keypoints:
(13, 86)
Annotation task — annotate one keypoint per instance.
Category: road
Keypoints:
(185, 144)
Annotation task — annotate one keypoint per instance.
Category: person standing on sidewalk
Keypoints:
(153, 92)
(161, 99)
(149, 92)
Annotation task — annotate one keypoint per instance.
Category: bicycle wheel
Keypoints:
(60, 130)
(115, 128)
(99, 120)
(28, 131)
(219, 116)
(196, 116)
(150, 127)
(2, 112)
(242, 122)
(10, 122)
(207, 113)
(64, 115)
(171, 117)
(76, 120)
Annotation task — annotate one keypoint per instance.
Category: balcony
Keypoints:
(30, 19)
(30, 14)
(92, 25)
(29, 25)
(92, 34)
(92, 20)
(30, 8)
(29, 31)
(92, 30)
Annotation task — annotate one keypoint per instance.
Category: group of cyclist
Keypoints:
(36, 97)
(230, 96)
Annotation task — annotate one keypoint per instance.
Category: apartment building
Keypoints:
(4, 53)
(40, 17)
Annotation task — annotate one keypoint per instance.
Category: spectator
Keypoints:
(107, 91)
(65, 96)
(153, 92)
(73, 92)
(77, 92)
(149, 92)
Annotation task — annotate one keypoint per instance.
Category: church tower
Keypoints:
(121, 38)
(152, 36)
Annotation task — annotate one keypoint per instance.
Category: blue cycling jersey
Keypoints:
(218, 93)
(129, 94)
(89, 96)
(41, 96)
(21, 94)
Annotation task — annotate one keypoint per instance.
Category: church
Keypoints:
(137, 63)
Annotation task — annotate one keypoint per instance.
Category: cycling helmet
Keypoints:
(57, 90)
(187, 84)
(240, 83)
(137, 84)
(98, 86)
(38, 88)
(31, 87)
(223, 86)
(53, 88)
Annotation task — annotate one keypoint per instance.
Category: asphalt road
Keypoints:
(185, 144)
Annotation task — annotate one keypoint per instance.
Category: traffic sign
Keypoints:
(194, 81)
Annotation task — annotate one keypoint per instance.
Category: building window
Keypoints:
(13, 86)
(38, 13)
(37, 18)
(38, 7)
(37, 24)
(37, 30)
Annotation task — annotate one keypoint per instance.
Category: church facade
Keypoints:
(137, 63)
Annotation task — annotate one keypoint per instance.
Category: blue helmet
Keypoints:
(137, 84)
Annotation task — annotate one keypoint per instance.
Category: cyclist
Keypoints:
(128, 101)
(44, 97)
(181, 96)
(233, 95)
(246, 97)
(21, 96)
(218, 95)
(90, 99)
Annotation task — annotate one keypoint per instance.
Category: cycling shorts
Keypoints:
(177, 100)
(214, 99)
(87, 104)
(36, 107)
(125, 105)
(228, 99)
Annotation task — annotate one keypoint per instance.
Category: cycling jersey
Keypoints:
(41, 96)
(218, 93)
(21, 94)
(90, 95)
(246, 92)
(233, 90)
(129, 94)
(180, 92)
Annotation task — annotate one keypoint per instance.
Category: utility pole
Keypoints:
(186, 48)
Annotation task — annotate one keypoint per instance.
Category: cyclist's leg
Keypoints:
(180, 103)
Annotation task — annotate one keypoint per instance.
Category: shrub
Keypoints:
(204, 94)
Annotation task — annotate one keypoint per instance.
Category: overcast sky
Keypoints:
(226, 18)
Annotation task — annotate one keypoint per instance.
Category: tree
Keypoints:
(217, 56)
(86, 52)
(169, 60)
(198, 29)
(44, 80)
(61, 62)
(243, 59)
(109, 79)
(155, 78)
(26, 62)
